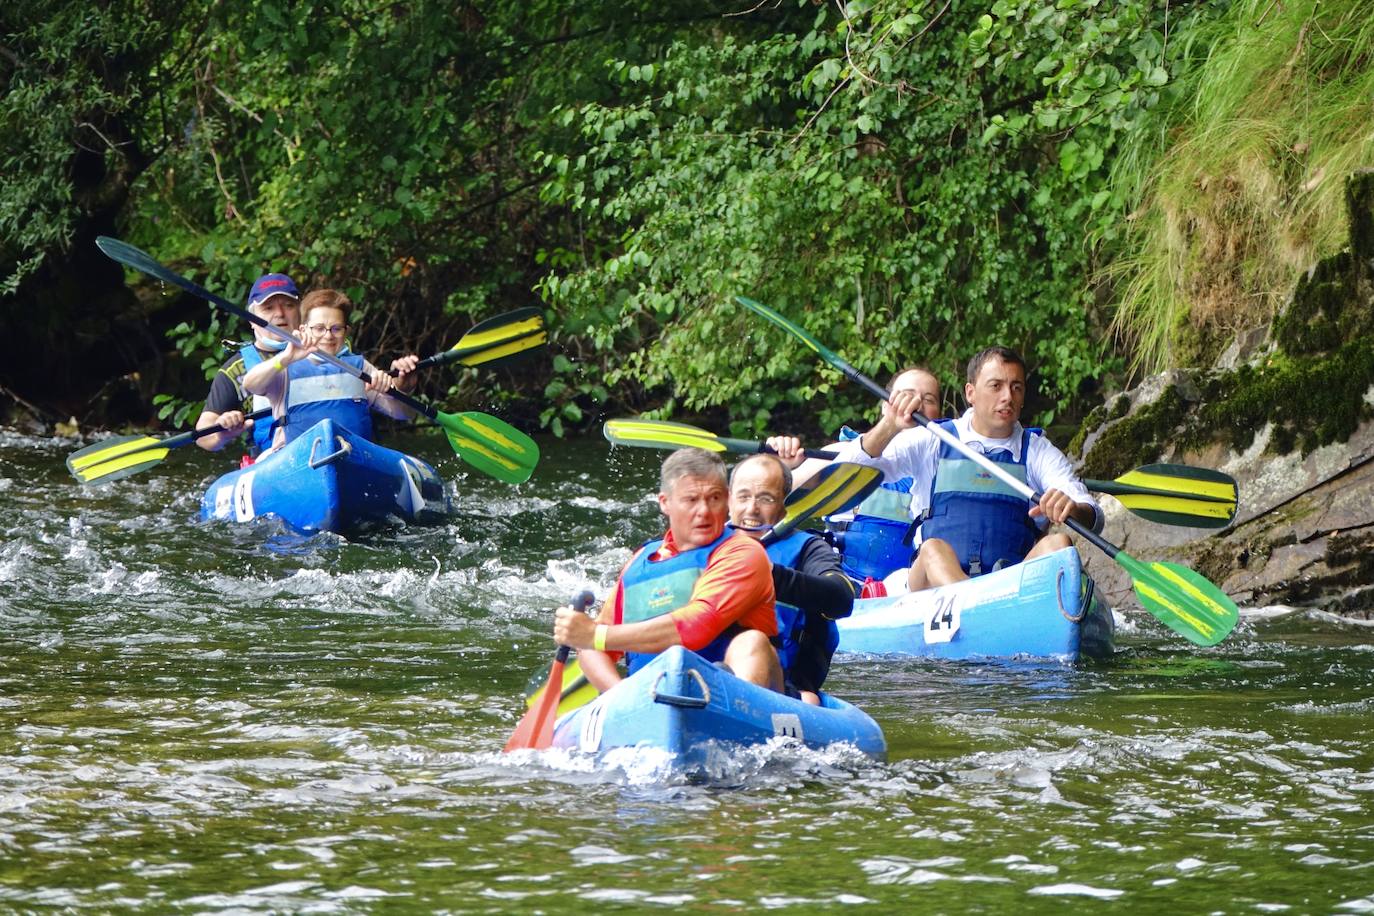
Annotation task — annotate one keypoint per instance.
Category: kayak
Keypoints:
(328, 480)
(1042, 608)
(684, 705)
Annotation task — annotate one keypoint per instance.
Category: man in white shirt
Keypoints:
(972, 523)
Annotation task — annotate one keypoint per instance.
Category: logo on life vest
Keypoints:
(661, 597)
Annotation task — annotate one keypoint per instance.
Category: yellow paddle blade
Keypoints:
(501, 337)
(490, 445)
(114, 459)
(108, 450)
(1186, 602)
(837, 488)
(1193, 484)
(1175, 494)
(577, 690)
(660, 434)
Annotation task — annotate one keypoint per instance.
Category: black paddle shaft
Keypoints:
(127, 254)
(211, 430)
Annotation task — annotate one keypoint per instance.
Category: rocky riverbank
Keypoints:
(1289, 412)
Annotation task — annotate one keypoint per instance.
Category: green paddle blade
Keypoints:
(112, 459)
(1186, 602)
(1175, 494)
(660, 434)
(490, 445)
(501, 338)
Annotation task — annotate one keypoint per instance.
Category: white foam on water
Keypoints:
(1075, 890)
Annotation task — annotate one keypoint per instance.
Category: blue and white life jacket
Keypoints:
(874, 540)
(791, 619)
(265, 429)
(317, 390)
(985, 522)
(651, 589)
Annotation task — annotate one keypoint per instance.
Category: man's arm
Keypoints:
(223, 408)
(735, 588)
(818, 585)
(1049, 471)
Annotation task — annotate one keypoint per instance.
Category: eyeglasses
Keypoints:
(767, 500)
(334, 329)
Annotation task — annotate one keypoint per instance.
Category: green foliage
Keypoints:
(1236, 185)
(910, 182)
(75, 77)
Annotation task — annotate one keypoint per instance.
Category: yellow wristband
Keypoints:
(599, 640)
(276, 365)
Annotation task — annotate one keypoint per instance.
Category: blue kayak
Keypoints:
(685, 705)
(328, 480)
(1043, 608)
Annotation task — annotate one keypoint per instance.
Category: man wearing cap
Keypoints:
(275, 299)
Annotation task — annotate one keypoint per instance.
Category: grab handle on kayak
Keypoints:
(682, 700)
(344, 449)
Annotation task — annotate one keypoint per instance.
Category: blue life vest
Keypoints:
(651, 589)
(875, 539)
(318, 390)
(265, 429)
(791, 619)
(985, 522)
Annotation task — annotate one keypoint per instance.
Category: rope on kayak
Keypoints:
(1083, 604)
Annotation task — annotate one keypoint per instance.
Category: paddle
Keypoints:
(1171, 494)
(1183, 600)
(124, 456)
(488, 444)
(497, 340)
(1174, 494)
(837, 488)
(535, 729)
(667, 434)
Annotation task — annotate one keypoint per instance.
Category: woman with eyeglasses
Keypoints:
(303, 390)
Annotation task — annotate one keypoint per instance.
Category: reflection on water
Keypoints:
(215, 718)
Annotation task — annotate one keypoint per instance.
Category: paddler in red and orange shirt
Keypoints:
(701, 586)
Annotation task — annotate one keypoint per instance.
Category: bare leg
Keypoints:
(935, 565)
(1049, 544)
(751, 656)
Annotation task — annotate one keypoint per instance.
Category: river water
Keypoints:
(208, 718)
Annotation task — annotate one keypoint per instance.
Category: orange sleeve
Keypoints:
(736, 587)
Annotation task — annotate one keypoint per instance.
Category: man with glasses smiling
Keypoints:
(811, 590)
(304, 391)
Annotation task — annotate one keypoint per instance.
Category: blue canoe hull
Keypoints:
(683, 704)
(1044, 608)
(328, 480)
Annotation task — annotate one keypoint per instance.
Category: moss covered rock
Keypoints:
(1294, 426)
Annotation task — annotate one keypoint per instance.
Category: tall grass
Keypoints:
(1237, 184)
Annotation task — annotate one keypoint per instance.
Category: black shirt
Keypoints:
(226, 389)
(816, 584)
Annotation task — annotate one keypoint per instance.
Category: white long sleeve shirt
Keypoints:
(915, 453)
